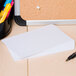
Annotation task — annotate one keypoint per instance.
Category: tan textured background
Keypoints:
(50, 9)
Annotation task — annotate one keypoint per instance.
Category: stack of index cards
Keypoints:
(46, 40)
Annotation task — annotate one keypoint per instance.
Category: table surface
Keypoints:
(51, 65)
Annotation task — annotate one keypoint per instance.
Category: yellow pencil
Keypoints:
(5, 12)
(1, 13)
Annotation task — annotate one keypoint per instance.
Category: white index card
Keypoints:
(46, 40)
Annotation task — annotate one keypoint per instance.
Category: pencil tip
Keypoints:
(67, 59)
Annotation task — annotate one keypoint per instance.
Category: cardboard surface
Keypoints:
(49, 9)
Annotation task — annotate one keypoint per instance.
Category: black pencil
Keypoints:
(72, 56)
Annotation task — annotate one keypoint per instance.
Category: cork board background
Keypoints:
(49, 9)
